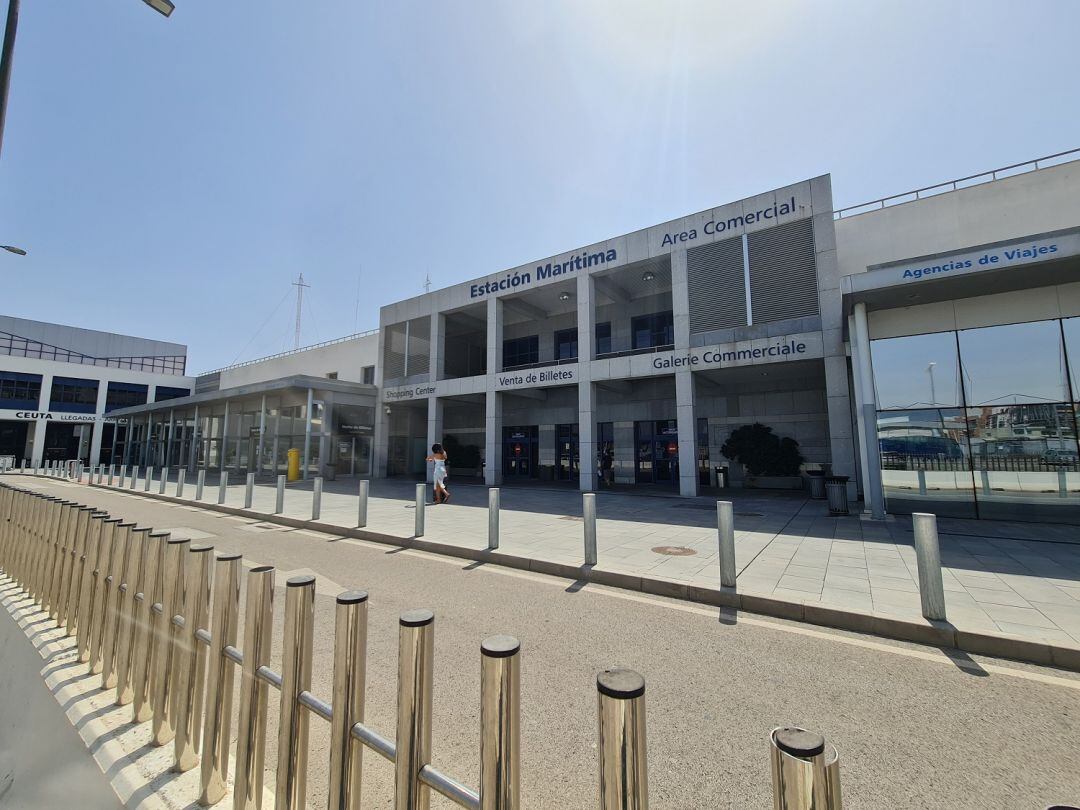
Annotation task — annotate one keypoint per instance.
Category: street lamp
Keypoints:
(18, 251)
(161, 6)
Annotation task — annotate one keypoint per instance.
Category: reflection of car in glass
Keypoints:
(1060, 457)
(897, 451)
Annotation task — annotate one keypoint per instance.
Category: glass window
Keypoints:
(1070, 327)
(19, 390)
(916, 372)
(566, 344)
(73, 395)
(124, 395)
(1022, 362)
(651, 331)
(521, 351)
(603, 338)
(367, 375)
(164, 392)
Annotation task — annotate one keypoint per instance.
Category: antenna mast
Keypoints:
(299, 284)
(427, 283)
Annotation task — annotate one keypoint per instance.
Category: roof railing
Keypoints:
(290, 351)
(953, 185)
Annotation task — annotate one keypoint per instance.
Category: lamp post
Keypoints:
(164, 7)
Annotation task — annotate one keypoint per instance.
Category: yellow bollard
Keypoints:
(294, 464)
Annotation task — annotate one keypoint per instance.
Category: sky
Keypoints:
(170, 178)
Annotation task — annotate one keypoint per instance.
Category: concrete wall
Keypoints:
(347, 358)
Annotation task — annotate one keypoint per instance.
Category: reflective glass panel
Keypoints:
(916, 372)
(1013, 364)
(1071, 329)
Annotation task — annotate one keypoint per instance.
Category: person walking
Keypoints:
(439, 473)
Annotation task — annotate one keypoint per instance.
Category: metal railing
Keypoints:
(953, 185)
(158, 620)
(290, 352)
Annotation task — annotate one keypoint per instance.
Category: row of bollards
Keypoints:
(928, 556)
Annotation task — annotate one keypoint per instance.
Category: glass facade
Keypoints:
(981, 423)
(19, 390)
(124, 395)
(73, 395)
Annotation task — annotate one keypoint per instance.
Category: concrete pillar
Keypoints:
(685, 423)
(864, 379)
(438, 349)
(99, 422)
(169, 441)
(434, 428)
(262, 435)
(307, 435)
(493, 444)
(860, 428)
(193, 445)
(223, 448)
(680, 304)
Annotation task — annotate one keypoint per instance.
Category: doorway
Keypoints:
(566, 453)
(657, 459)
(520, 452)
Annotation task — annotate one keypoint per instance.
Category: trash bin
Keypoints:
(329, 472)
(817, 484)
(721, 476)
(836, 491)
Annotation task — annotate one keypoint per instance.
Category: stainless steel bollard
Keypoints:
(190, 669)
(493, 518)
(100, 472)
(148, 625)
(928, 556)
(361, 516)
(350, 681)
(162, 696)
(103, 657)
(126, 614)
(293, 718)
(164, 480)
(85, 624)
(249, 490)
(805, 771)
(149, 479)
(416, 655)
(725, 525)
(223, 486)
(588, 511)
(624, 773)
(316, 498)
(500, 723)
(217, 723)
(421, 498)
(279, 503)
(112, 473)
(200, 482)
(134, 478)
(123, 476)
(180, 482)
(251, 731)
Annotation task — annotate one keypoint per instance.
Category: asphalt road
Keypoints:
(916, 727)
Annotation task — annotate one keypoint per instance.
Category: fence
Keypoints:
(158, 619)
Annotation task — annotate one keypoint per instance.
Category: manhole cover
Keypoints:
(674, 551)
(571, 517)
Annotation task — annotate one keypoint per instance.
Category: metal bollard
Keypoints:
(725, 524)
(249, 490)
(293, 718)
(624, 775)
(100, 472)
(421, 498)
(126, 612)
(493, 518)
(805, 771)
(316, 498)
(164, 480)
(361, 517)
(928, 557)
(84, 612)
(416, 654)
(217, 725)
(189, 672)
(149, 479)
(500, 723)
(251, 731)
(279, 504)
(223, 486)
(350, 681)
(148, 625)
(200, 482)
(123, 476)
(102, 659)
(588, 511)
(180, 482)
(112, 468)
(162, 696)
(134, 478)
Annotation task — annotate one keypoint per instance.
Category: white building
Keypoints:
(59, 387)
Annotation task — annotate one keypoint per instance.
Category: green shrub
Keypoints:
(762, 452)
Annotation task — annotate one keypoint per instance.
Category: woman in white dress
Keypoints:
(439, 460)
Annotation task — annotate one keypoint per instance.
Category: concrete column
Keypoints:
(145, 458)
(193, 445)
(685, 423)
(493, 444)
(37, 450)
(307, 433)
(680, 303)
(223, 448)
(494, 335)
(586, 389)
(438, 349)
(169, 444)
(864, 380)
(99, 422)
(860, 428)
(434, 428)
(262, 435)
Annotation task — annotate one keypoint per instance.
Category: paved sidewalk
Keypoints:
(999, 577)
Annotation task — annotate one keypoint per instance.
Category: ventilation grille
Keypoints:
(717, 286)
(419, 346)
(783, 273)
(394, 352)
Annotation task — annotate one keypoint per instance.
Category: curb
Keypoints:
(921, 631)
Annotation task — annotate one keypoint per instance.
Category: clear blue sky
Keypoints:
(171, 177)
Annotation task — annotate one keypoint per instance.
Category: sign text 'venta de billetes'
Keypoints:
(516, 279)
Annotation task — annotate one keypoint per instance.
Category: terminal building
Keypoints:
(925, 346)
(60, 389)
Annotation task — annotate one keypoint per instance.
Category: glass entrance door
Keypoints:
(566, 447)
(657, 460)
(520, 452)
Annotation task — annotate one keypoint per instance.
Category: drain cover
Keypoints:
(674, 551)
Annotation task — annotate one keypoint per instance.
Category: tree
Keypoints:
(762, 452)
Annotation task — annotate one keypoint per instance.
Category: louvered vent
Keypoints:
(783, 273)
(717, 286)
(419, 346)
(394, 352)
